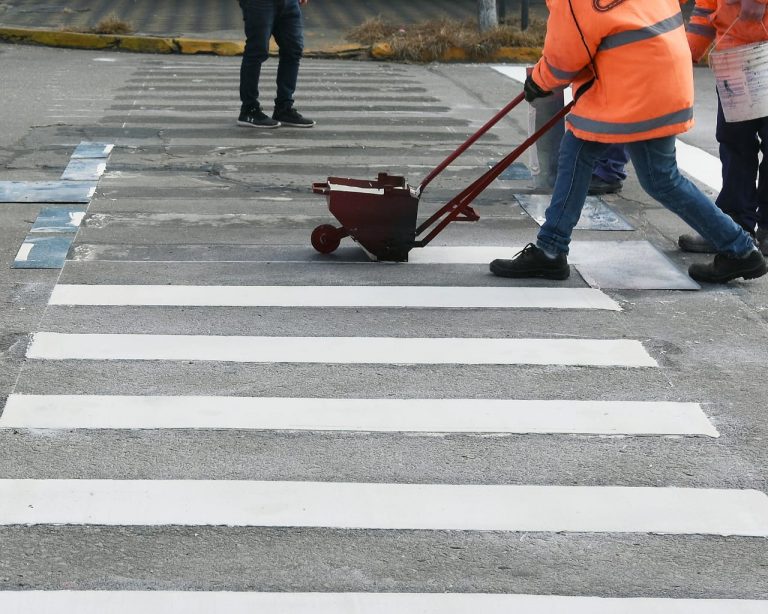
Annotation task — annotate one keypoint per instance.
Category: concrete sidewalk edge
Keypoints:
(191, 46)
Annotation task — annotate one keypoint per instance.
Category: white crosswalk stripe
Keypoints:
(335, 296)
(383, 415)
(578, 509)
(341, 350)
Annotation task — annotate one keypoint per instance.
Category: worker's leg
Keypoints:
(656, 165)
(574, 172)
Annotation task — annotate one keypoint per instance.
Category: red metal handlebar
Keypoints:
(468, 143)
(459, 205)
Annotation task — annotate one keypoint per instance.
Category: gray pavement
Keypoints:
(190, 199)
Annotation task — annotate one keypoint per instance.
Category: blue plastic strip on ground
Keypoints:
(59, 219)
(43, 252)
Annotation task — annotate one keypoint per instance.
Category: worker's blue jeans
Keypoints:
(283, 20)
(610, 166)
(655, 163)
(740, 146)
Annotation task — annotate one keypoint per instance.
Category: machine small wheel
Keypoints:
(326, 238)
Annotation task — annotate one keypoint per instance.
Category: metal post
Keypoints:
(524, 14)
(486, 14)
(501, 9)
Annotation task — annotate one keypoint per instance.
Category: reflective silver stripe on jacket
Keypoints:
(634, 36)
(561, 74)
(600, 127)
(699, 12)
(707, 31)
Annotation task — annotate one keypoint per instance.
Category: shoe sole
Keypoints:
(754, 273)
(250, 125)
(556, 275)
(289, 125)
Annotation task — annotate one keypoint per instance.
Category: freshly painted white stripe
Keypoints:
(342, 350)
(382, 415)
(581, 509)
(334, 296)
(194, 602)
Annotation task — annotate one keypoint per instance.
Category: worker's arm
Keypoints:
(700, 30)
(565, 54)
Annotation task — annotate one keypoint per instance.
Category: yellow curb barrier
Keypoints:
(197, 45)
(80, 40)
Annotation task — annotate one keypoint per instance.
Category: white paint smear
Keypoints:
(581, 509)
(191, 602)
(378, 415)
(24, 252)
(341, 350)
(334, 296)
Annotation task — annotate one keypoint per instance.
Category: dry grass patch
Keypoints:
(113, 25)
(109, 25)
(429, 40)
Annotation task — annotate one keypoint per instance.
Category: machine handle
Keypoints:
(469, 142)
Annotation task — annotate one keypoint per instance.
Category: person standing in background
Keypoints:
(283, 20)
(744, 195)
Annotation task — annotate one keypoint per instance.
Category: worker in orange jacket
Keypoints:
(630, 67)
(744, 196)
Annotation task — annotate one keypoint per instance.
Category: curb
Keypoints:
(153, 44)
(192, 46)
(524, 55)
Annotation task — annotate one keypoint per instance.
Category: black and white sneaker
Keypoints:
(288, 116)
(255, 118)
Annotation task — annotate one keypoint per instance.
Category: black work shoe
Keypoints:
(256, 118)
(695, 243)
(725, 268)
(598, 186)
(762, 240)
(532, 262)
(289, 116)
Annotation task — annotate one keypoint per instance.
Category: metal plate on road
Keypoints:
(43, 252)
(59, 219)
(596, 215)
(92, 150)
(46, 191)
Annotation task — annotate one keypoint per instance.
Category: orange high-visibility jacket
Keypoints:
(713, 19)
(644, 83)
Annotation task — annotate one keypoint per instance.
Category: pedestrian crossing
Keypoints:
(540, 387)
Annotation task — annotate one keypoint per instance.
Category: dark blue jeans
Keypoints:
(656, 165)
(610, 166)
(745, 179)
(283, 20)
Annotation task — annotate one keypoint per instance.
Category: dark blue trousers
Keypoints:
(610, 166)
(745, 179)
(283, 20)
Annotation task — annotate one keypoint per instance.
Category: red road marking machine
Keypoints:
(380, 215)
